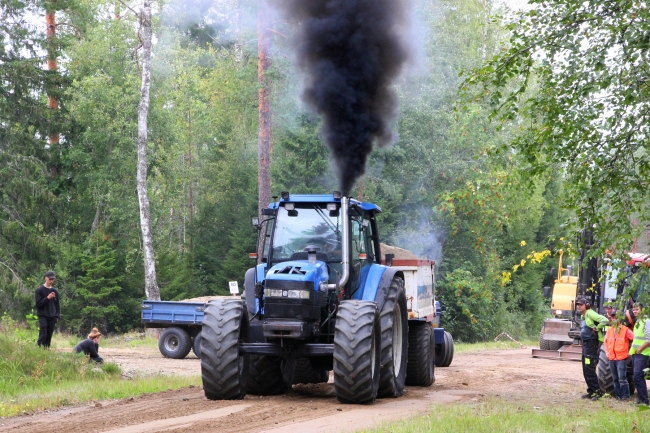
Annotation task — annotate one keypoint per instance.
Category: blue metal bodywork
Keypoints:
(170, 312)
(323, 198)
(370, 277)
(299, 270)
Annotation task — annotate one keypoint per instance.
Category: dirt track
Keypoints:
(507, 374)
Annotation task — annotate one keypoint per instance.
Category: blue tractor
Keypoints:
(319, 300)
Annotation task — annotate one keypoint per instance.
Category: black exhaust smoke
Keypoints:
(351, 51)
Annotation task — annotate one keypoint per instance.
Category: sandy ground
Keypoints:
(507, 374)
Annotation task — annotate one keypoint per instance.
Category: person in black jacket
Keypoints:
(90, 346)
(47, 309)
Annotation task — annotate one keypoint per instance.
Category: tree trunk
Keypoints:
(150, 285)
(264, 136)
(50, 22)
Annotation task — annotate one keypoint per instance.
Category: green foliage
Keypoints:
(570, 82)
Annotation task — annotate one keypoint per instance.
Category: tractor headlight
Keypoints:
(298, 294)
(274, 293)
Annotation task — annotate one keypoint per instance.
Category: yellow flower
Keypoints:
(522, 243)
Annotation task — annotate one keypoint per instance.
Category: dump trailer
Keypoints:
(322, 299)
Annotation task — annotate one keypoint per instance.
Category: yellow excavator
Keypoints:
(554, 339)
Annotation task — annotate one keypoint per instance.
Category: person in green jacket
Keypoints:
(592, 336)
(640, 351)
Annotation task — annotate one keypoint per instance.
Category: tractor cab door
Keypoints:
(362, 251)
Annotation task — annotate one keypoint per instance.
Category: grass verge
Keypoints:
(494, 415)
(506, 343)
(32, 378)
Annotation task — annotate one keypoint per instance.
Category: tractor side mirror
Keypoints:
(547, 292)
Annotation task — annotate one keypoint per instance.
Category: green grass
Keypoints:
(504, 343)
(123, 341)
(494, 415)
(32, 378)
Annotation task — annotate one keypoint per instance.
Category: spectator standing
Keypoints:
(48, 309)
(617, 345)
(90, 346)
(640, 352)
(590, 334)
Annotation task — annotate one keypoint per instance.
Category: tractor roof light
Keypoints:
(337, 195)
(331, 206)
(285, 195)
(289, 206)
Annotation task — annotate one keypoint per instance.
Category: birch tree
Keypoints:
(150, 285)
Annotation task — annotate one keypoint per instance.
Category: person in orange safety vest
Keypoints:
(617, 346)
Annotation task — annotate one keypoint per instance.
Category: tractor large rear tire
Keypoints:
(306, 373)
(421, 355)
(223, 369)
(269, 375)
(357, 347)
(445, 352)
(394, 341)
(605, 379)
(175, 343)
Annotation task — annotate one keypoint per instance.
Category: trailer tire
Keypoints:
(306, 373)
(357, 347)
(196, 345)
(269, 375)
(445, 351)
(420, 370)
(174, 343)
(604, 373)
(394, 341)
(223, 369)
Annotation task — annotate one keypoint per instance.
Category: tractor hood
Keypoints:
(297, 274)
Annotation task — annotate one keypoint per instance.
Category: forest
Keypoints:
(481, 176)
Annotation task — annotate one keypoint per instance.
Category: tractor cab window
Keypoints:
(307, 227)
(361, 248)
(267, 239)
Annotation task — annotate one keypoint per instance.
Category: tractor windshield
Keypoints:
(307, 227)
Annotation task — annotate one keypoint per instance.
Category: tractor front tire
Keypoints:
(421, 355)
(175, 343)
(445, 352)
(269, 375)
(223, 369)
(543, 343)
(306, 373)
(394, 341)
(357, 347)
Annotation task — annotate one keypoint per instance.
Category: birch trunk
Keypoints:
(150, 285)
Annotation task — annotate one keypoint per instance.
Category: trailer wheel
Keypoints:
(357, 348)
(223, 369)
(394, 341)
(196, 345)
(604, 373)
(269, 375)
(445, 351)
(306, 373)
(421, 355)
(175, 343)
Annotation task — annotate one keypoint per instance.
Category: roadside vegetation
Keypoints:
(495, 415)
(33, 379)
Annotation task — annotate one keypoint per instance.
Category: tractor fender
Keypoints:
(249, 291)
(376, 284)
